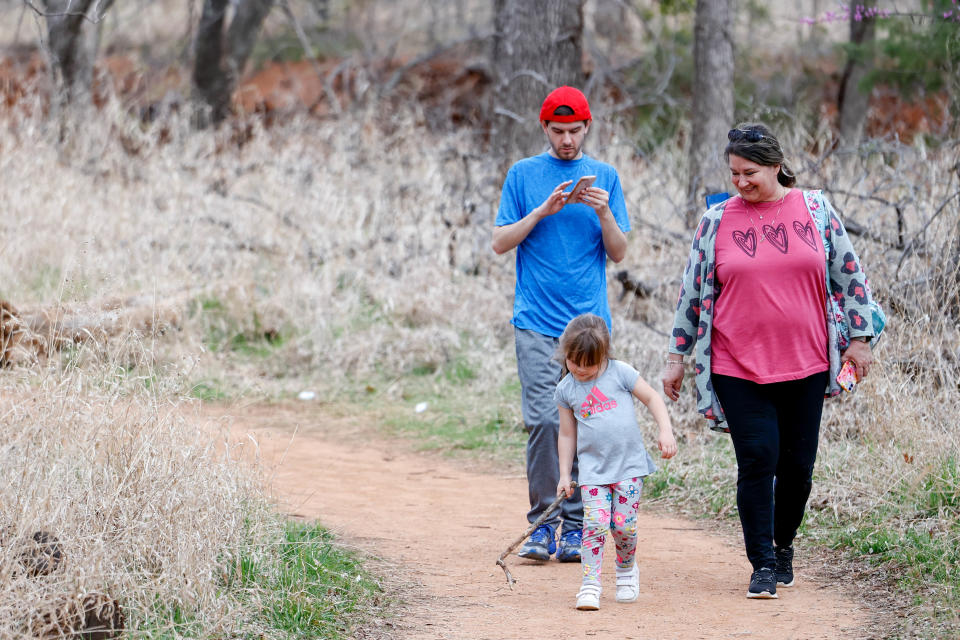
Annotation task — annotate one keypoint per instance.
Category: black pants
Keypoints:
(775, 428)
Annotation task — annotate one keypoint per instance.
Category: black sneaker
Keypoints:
(763, 584)
(784, 566)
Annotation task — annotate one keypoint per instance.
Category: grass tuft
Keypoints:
(307, 586)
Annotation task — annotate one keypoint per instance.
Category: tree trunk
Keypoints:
(244, 29)
(218, 64)
(209, 75)
(72, 63)
(713, 102)
(537, 46)
(852, 102)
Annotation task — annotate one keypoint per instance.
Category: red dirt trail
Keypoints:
(442, 526)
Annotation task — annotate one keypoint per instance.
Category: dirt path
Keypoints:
(445, 526)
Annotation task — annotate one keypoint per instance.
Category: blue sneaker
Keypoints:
(569, 548)
(541, 544)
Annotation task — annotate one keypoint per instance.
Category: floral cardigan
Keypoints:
(693, 322)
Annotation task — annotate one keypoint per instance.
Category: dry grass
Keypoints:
(360, 247)
(145, 507)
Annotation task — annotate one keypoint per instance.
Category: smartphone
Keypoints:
(582, 184)
(847, 378)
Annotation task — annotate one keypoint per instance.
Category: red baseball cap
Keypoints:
(565, 96)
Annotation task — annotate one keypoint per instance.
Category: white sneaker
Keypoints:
(589, 598)
(628, 583)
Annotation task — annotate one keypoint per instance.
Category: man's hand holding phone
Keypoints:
(578, 189)
(585, 193)
(554, 201)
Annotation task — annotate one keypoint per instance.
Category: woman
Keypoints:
(754, 312)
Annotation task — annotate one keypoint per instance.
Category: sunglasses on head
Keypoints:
(750, 135)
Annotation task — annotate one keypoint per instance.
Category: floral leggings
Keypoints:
(606, 508)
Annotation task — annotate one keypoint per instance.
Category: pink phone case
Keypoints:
(847, 378)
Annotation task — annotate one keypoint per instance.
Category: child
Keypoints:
(598, 423)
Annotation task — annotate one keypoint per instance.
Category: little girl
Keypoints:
(598, 423)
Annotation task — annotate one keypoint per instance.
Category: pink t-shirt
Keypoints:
(768, 323)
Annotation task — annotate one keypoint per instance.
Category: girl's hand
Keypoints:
(667, 444)
(565, 488)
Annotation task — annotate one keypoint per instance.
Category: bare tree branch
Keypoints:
(242, 34)
(308, 51)
(500, 111)
(916, 237)
(100, 9)
(430, 55)
(859, 230)
(526, 73)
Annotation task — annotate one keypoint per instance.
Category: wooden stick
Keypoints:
(526, 534)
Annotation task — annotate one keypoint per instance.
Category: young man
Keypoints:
(562, 246)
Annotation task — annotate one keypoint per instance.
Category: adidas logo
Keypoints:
(596, 403)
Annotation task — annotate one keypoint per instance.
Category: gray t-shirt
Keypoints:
(609, 442)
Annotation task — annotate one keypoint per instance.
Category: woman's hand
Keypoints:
(672, 377)
(860, 354)
(565, 487)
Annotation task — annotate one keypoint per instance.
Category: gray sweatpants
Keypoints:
(539, 374)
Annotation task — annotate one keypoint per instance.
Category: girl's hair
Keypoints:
(585, 341)
(754, 142)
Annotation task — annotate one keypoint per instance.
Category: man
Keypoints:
(562, 245)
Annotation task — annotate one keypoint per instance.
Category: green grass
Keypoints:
(940, 489)
(227, 330)
(457, 415)
(701, 480)
(309, 587)
(165, 622)
(303, 587)
(459, 372)
(258, 344)
(662, 483)
(917, 535)
(446, 426)
(208, 391)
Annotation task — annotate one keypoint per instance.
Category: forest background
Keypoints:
(242, 201)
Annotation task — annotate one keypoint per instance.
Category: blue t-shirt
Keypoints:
(561, 265)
